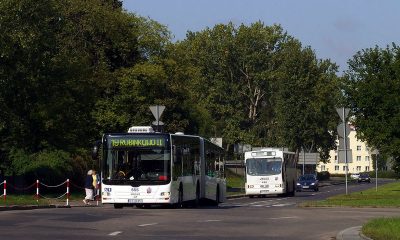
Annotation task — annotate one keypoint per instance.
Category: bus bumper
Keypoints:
(264, 191)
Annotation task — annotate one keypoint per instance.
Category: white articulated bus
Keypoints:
(270, 171)
(143, 168)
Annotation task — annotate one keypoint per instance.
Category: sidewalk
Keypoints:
(353, 233)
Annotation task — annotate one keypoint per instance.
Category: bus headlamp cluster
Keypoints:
(165, 194)
(250, 186)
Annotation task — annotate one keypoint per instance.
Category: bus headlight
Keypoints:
(278, 185)
(250, 186)
(165, 194)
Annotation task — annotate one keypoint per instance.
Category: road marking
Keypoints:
(114, 233)
(282, 218)
(147, 224)
(210, 220)
(283, 205)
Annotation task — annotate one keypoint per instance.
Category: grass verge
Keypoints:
(234, 183)
(382, 229)
(24, 200)
(388, 195)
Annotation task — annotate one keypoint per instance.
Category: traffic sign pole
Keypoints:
(343, 113)
(345, 148)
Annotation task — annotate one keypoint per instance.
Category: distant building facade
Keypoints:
(361, 158)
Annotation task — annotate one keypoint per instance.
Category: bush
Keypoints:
(48, 166)
(324, 175)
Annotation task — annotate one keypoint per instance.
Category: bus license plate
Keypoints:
(135, 200)
(264, 191)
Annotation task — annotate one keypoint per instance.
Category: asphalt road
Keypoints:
(239, 218)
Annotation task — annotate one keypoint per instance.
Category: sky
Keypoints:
(335, 30)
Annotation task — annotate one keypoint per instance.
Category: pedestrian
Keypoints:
(88, 187)
(96, 181)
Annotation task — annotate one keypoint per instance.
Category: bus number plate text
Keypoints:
(135, 200)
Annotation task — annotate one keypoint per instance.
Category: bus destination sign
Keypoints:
(136, 142)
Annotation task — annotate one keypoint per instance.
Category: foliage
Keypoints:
(261, 87)
(371, 87)
(51, 166)
(58, 63)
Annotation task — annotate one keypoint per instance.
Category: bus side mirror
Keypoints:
(95, 150)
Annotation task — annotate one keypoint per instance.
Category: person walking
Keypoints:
(96, 181)
(88, 187)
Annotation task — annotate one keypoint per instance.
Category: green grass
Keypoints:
(23, 199)
(234, 183)
(387, 196)
(382, 228)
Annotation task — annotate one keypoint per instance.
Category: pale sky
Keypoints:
(336, 30)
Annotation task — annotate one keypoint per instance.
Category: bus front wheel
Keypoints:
(118, 205)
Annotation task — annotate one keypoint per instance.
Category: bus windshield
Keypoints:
(263, 166)
(137, 164)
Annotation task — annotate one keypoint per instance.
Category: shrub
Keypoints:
(324, 175)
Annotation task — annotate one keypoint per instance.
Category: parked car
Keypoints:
(355, 176)
(364, 177)
(307, 182)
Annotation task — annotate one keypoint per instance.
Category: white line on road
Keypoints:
(114, 233)
(283, 204)
(282, 218)
(147, 224)
(210, 220)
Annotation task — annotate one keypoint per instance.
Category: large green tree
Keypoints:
(260, 86)
(372, 87)
(236, 65)
(305, 95)
(58, 59)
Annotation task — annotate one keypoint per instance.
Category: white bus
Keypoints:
(143, 168)
(270, 171)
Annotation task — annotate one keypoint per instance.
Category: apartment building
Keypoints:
(361, 156)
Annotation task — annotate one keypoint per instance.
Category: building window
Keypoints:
(336, 160)
(322, 167)
(366, 168)
(358, 148)
(366, 158)
(336, 168)
(358, 158)
(358, 168)
(344, 168)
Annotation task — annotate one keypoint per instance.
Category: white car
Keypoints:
(355, 176)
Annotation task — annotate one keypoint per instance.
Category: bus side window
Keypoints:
(177, 155)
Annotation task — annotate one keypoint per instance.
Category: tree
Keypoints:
(305, 95)
(261, 87)
(371, 88)
(237, 65)
(57, 60)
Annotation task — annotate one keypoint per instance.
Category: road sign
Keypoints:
(340, 129)
(343, 113)
(342, 157)
(157, 110)
(157, 123)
